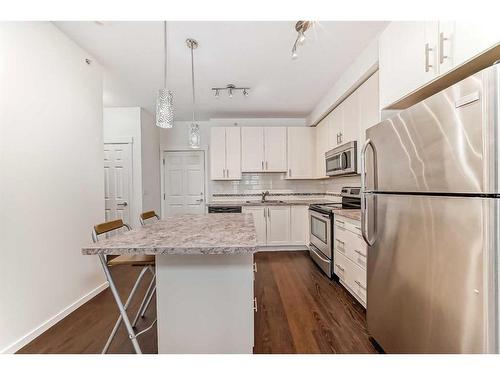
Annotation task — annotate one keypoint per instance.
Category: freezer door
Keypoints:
(431, 274)
(446, 143)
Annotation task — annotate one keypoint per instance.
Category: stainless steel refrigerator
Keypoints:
(430, 215)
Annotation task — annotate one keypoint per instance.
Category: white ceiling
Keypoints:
(253, 54)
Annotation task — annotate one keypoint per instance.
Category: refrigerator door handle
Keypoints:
(364, 206)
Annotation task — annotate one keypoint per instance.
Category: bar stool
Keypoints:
(147, 215)
(150, 293)
(145, 261)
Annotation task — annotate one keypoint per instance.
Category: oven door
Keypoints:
(321, 232)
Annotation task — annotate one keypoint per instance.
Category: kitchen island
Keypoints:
(204, 271)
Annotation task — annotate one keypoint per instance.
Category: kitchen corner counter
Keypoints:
(354, 214)
(203, 234)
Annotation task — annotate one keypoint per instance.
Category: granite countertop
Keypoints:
(270, 202)
(354, 214)
(184, 235)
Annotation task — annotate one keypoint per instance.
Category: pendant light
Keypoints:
(194, 129)
(165, 98)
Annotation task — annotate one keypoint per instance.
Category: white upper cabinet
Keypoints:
(350, 118)
(322, 146)
(335, 124)
(369, 110)
(275, 149)
(407, 58)
(413, 53)
(233, 153)
(225, 153)
(301, 146)
(252, 149)
(458, 41)
(263, 149)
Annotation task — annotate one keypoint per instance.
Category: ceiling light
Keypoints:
(230, 90)
(165, 97)
(194, 129)
(300, 27)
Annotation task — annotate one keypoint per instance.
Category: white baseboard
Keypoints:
(14, 347)
(283, 248)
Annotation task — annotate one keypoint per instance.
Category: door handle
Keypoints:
(124, 204)
(364, 207)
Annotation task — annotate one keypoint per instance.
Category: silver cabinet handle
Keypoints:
(255, 308)
(360, 253)
(227, 173)
(289, 173)
(340, 222)
(358, 228)
(428, 50)
(360, 285)
(442, 56)
(199, 200)
(340, 267)
(124, 204)
(267, 166)
(264, 212)
(262, 164)
(342, 242)
(269, 213)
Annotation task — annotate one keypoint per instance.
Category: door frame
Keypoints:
(163, 151)
(130, 142)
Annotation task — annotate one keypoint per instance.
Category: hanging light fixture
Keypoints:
(300, 27)
(165, 97)
(194, 129)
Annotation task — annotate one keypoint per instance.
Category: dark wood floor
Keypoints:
(300, 311)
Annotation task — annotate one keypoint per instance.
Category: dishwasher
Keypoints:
(224, 209)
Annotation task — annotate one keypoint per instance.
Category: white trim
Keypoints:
(119, 140)
(282, 248)
(30, 336)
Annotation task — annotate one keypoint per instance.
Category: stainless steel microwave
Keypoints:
(342, 160)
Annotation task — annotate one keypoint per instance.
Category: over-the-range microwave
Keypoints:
(342, 160)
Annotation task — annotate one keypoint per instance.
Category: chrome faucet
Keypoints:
(264, 195)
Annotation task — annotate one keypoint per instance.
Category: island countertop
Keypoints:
(202, 234)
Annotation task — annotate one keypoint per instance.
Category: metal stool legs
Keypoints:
(121, 307)
(145, 301)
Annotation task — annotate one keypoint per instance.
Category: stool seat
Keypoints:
(132, 260)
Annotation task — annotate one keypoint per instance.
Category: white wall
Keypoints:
(120, 123)
(150, 143)
(361, 69)
(51, 178)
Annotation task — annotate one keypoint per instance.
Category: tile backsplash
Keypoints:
(276, 182)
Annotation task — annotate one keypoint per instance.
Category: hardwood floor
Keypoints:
(300, 311)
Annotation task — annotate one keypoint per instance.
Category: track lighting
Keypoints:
(300, 27)
(230, 90)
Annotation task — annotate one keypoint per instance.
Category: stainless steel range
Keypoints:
(321, 227)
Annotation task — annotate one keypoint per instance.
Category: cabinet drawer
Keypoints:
(340, 266)
(351, 245)
(349, 224)
(356, 279)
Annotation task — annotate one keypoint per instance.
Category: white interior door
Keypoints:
(117, 180)
(184, 182)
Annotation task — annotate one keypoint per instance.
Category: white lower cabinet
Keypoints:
(260, 221)
(280, 225)
(350, 257)
(299, 225)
